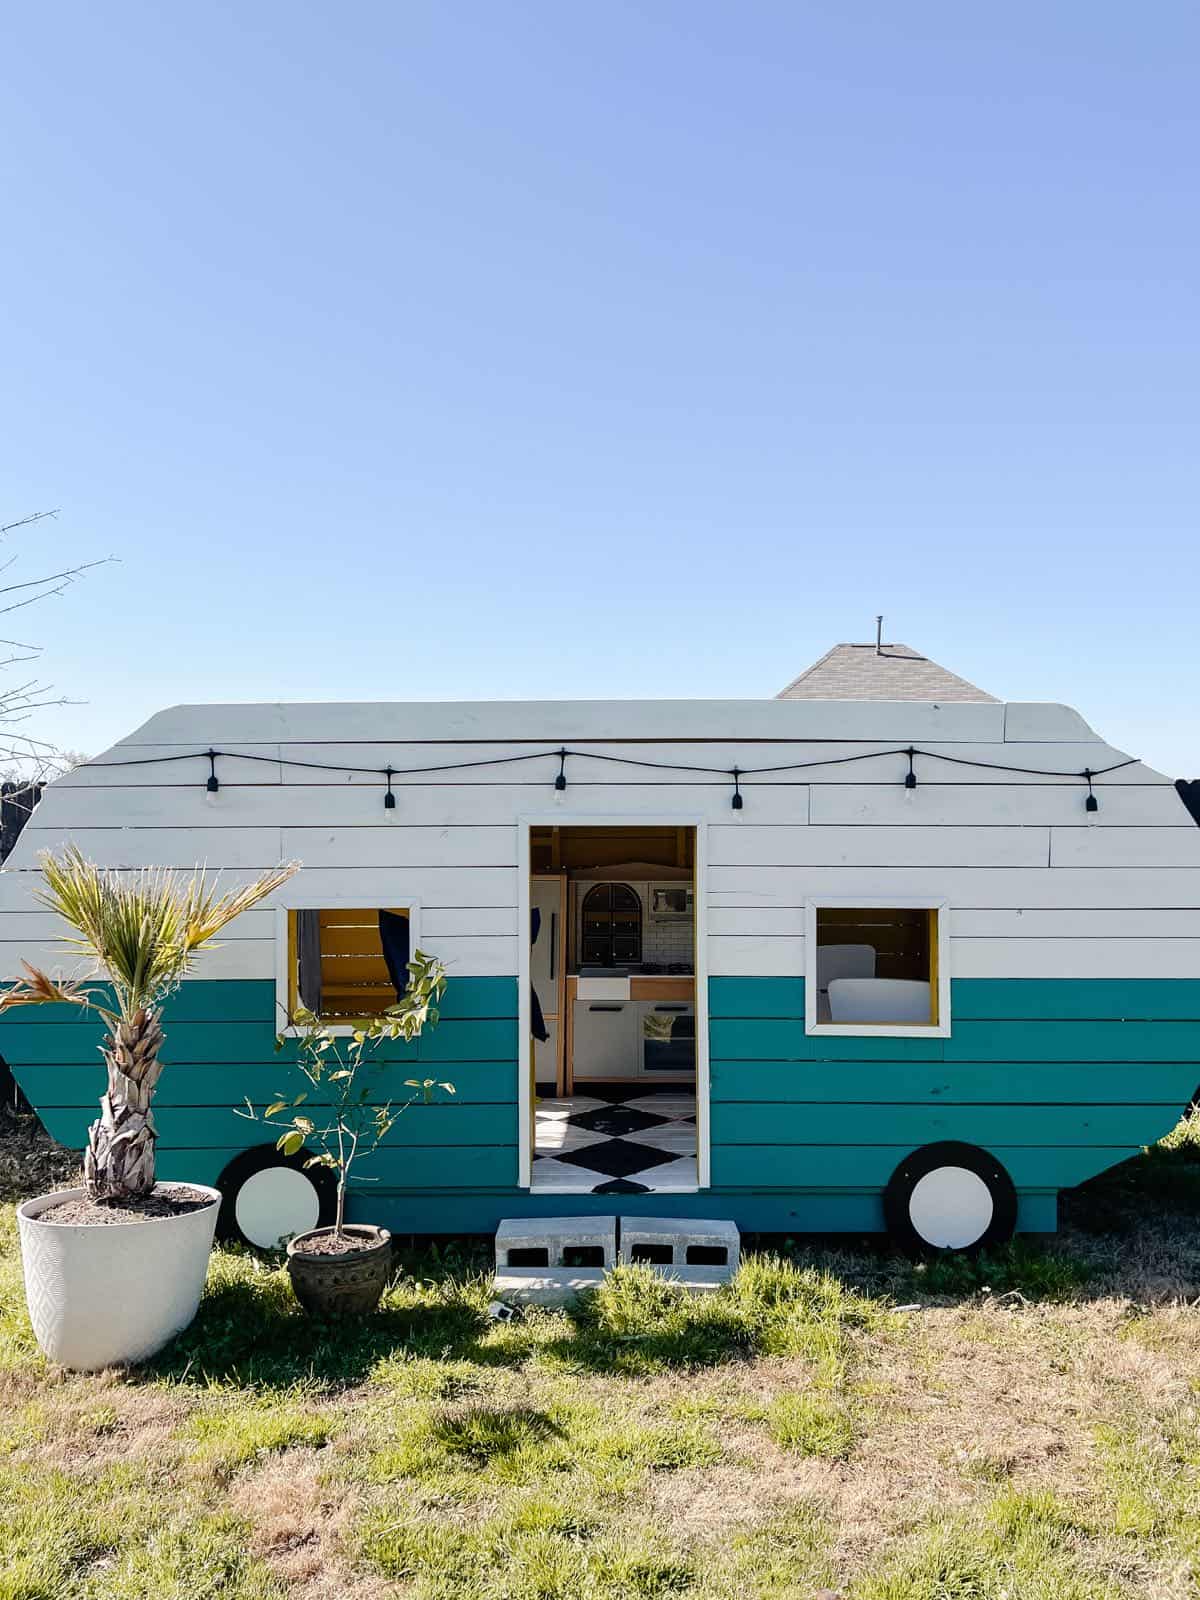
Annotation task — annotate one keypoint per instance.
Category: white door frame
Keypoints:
(579, 819)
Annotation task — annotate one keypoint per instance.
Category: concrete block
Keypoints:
(545, 1286)
(711, 1247)
(556, 1242)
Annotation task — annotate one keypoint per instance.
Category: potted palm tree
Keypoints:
(115, 1268)
(343, 1269)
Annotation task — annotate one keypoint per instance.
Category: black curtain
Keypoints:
(308, 960)
(395, 938)
(537, 1023)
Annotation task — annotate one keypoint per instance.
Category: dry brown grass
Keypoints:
(1035, 1418)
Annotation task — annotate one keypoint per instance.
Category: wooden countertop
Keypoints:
(650, 986)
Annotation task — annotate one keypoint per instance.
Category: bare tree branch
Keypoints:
(19, 702)
(23, 522)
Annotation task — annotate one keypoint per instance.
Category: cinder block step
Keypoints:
(550, 1243)
(545, 1286)
(707, 1249)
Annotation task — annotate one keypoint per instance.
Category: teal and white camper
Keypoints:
(881, 951)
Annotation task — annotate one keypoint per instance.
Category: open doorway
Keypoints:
(613, 992)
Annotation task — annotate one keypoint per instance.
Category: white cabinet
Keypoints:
(607, 1039)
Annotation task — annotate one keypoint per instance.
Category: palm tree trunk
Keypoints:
(119, 1161)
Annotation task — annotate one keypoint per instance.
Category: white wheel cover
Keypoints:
(274, 1204)
(951, 1208)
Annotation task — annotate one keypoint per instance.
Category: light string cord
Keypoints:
(737, 774)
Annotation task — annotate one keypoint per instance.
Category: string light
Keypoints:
(212, 784)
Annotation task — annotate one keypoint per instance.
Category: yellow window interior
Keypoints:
(904, 942)
(354, 976)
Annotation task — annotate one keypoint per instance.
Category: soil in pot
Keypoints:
(337, 1276)
(168, 1200)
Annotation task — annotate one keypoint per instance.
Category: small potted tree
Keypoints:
(343, 1269)
(114, 1269)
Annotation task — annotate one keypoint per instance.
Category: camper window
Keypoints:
(877, 969)
(347, 963)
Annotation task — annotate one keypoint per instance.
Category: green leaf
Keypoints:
(274, 1108)
(290, 1143)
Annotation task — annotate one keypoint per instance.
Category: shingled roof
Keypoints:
(879, 672)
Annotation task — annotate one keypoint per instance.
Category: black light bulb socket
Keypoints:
(1091, 803)
(910, 781)
(213, 783)
(736, 803)
(560, 783)
(389, 799)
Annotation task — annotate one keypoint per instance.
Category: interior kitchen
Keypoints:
(613, 949)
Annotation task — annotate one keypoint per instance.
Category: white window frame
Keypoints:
(389, 894)
(877, 1030)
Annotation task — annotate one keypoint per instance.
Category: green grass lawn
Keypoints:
(1029, 1432)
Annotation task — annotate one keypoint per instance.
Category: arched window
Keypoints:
(612, 926)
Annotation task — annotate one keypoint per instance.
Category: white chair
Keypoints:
(841, 961)
(900, 1000)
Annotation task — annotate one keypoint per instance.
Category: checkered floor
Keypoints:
(617, 1139)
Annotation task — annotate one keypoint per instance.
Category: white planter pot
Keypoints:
(100, 1296)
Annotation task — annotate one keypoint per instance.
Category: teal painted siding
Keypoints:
(1059, 1078)
(220, 1050)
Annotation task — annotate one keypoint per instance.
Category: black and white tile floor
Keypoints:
(616, 1139)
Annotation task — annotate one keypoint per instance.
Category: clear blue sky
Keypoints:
(531, 350)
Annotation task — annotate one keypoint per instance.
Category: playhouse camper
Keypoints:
(879, 952)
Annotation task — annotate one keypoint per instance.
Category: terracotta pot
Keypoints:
(348, 1284)
(103, 1295)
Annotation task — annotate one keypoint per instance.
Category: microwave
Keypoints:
(672, 902)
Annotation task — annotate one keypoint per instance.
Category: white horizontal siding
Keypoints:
(595, 765)
(937, 804)
(401, 847)
(1075, 958)
(170, 766)
(180, 848)
(431, 886)
(359, 805)
(747, 845)
(239, 958)
(567, 721)
(986, 924)
(1125, 847)
(756, 921)
(1062, 923)
(770, 956)
(379, 846)
(962, 886)
(756, 956)
(470, 956)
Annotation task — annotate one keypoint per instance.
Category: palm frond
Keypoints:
(143, 928)
(36, 988)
